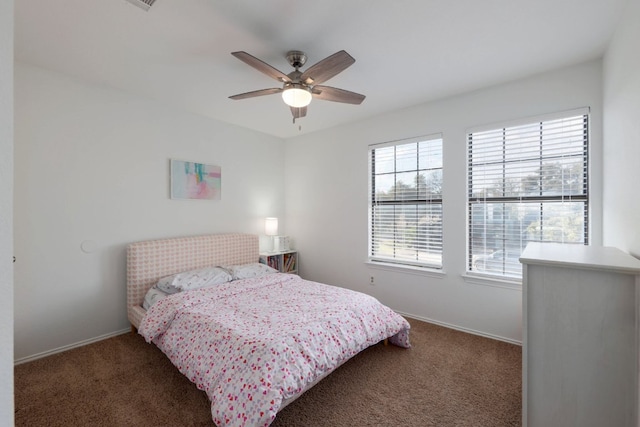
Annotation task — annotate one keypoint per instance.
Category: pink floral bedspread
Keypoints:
(252, 343)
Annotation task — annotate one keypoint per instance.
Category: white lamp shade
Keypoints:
(271, 226)
(296, 97)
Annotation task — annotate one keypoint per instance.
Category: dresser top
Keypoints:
(580, 256)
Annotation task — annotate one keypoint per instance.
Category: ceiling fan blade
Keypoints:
(334, 94)
(327, 68)
(261, 66)
(298, 112)
(255, 93)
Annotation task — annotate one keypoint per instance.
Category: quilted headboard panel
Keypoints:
(151, 260)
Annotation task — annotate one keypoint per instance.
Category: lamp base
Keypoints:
(280, 243)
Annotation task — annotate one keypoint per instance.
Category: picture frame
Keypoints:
(195, 181)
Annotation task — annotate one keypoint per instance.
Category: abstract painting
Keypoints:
(190, 180)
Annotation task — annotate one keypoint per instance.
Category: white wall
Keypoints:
(326, 197)
(6, 212)
(92, 165)
(622, 135)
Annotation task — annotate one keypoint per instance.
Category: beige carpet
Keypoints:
(448, 378)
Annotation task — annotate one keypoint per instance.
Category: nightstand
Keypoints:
(284, 262)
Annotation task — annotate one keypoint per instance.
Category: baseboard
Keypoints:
(124, 331)
(69, 347)
(458, 328)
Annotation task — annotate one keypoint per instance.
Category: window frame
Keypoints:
(404, 264)
(502, 278)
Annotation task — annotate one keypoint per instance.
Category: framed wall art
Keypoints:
(191, 180)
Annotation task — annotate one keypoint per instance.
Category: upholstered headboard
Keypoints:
(150, 260)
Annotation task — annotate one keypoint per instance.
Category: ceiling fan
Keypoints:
(299, 87)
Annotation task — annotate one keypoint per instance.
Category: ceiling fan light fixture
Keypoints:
(296, 96)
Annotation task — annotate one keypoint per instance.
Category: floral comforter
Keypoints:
(252, 343)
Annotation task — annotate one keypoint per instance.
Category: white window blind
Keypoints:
(406, 202)
(526, 183)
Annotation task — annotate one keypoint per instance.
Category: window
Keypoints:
(526, 183)
(406, 202)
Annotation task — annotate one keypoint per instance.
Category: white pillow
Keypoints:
(153, 296)
(247, 271)
(194, 279)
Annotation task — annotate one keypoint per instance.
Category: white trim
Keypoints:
(529, 120)
(503, 281)
(409, 140)
(459, 328)
(406, 268)
(124, 331)
(69, 347)
(372, 147)
(497, 282)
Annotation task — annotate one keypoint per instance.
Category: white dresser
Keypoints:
(580, 336)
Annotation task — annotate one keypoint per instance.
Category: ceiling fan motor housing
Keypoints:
(296, 58)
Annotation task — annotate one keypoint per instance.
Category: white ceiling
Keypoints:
(407, 51)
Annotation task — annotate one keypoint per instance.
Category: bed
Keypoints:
(256, 342)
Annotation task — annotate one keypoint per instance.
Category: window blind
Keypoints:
(406, 202)
(526, 183)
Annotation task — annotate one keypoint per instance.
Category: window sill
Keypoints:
(498, 282)
(420, 271)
